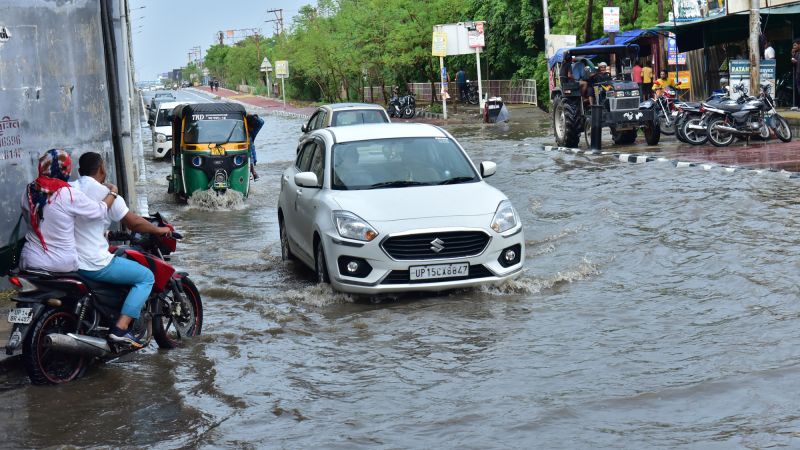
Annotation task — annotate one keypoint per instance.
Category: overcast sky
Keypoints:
(164, 31)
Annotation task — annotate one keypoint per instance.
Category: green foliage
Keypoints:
(337, 46)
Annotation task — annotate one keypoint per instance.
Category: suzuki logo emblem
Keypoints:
(437, 245)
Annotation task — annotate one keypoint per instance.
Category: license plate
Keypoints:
(21, 315)
(438, 271)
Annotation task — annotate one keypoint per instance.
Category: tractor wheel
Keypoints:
(624, 137)
(567, 122)
(652, 132)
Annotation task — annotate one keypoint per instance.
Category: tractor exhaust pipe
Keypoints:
(75, 344)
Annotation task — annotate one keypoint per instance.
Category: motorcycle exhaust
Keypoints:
(75, 344)
(729, 129)
(697, 127)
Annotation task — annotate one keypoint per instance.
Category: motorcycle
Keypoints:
(471, 95)
(751, 117)
(665, 108)
(404, 107)
(689, 126)
(61, 320)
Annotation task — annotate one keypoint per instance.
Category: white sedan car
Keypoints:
(396, 207)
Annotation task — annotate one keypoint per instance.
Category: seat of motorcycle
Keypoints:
(730, 107)
(48, 274)
(107, 293)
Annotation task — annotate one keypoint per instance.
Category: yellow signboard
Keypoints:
(282, 69)
(439, 46)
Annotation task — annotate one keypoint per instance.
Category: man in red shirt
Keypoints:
(637, 78)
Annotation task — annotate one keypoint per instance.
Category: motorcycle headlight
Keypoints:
(505, 218)
(351, 226)
(160, 137)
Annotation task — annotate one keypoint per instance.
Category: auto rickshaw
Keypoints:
(210, 149)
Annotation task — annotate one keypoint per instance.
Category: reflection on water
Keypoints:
(658, 308)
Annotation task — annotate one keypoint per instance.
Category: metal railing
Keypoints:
(512, 91)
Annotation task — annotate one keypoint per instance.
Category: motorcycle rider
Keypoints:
(50, 244)
(94, 260)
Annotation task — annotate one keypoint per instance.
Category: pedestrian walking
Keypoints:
(461, 81)
(637, 78)
(647, 81)
(796, 74)
(254, 124)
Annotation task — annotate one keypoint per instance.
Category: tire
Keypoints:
(652, 133)
(717, 138)
(472, 96)
(321, 265)
(781, 128)
(694, 137)
(408, 112)
(679, 128)
(392, 110)
(666, 129)
(567, 123)
(43, 366)
(165, 327)
(625, 137)
(286, 249)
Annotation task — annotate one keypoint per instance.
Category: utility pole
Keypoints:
(278, 20)
(662, 61)
(546, 21)
(755, 51)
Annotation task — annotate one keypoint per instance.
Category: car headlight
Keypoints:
(351, 226)
(505, 218)
(160, 137)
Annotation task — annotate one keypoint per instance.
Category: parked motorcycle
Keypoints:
(689, 126)
(62, 320)
(472, 95)
(404, 107)
(752, 117)
(665, 108)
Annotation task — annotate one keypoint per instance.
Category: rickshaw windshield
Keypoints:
(214, 131)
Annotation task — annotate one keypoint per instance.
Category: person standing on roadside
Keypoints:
(795, 74)
(647, 81)
(461, 81)
(637, 78)
(769, 52)
(254, 124)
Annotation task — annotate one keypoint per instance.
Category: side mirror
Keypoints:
(303, 128)
(306, 179)
(488, 169)
(150, 122)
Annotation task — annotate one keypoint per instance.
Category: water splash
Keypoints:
(533, 285)
(211, 200)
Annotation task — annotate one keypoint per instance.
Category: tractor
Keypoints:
(622, 111)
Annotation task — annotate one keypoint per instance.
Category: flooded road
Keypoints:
(659, 308)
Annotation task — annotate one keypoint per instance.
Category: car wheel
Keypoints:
(286, 251)
(321, 265)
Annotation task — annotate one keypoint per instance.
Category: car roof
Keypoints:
(341, 106)
(170, 105)
(382, 131)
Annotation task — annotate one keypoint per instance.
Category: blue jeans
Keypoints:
(125, 271)
(253, 151)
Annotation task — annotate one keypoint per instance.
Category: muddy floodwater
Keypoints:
(659, 308)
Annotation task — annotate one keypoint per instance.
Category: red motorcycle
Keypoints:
(61, 321)
(666, 111)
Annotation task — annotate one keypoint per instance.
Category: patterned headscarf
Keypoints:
(55, 167)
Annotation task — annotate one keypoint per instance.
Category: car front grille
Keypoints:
(402, 276)
(450, 244)
(625, 103)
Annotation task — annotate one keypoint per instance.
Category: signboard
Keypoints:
(475, 37)
(457, 40)
(684, 79)
(611, 19)
(691, 10)
(266, 66)
(439, 45)
(740, 73)
(282, 69)
(673, 57)
(557, 41)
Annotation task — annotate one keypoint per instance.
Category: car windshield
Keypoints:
(344, 118)
(399, 162)
(162, 120)
(214, 131)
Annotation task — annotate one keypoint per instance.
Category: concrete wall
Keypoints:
(55, 91)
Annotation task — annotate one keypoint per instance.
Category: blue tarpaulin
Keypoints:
(622, 38)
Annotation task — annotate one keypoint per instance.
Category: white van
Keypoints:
(162, 129)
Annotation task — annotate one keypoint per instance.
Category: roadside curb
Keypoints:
(637, 158)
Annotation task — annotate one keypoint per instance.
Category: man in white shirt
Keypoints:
(769, 52)
(94, 260)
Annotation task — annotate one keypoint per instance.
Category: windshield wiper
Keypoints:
(456, 180)
(388, 184)
(230, 135)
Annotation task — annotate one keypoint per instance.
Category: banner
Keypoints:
(439, 45)
(691, 10)
(740, 73)
(611, 19)
(673, 57)
(476, 37)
